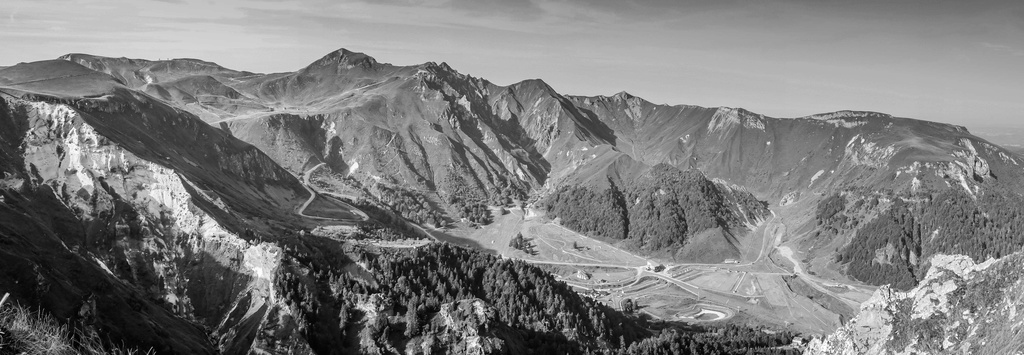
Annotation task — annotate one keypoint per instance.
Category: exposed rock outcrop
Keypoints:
(959, 308)
(129, 246)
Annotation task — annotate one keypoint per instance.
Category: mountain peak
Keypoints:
(346, 58)
(434, 66)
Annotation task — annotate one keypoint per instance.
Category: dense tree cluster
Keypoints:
(533, 312)
(892, 247)
(830, 216)
(383, 224)
(506, 194)
(669, 205)
(728, 340)
(590, 211)
(830, 206)
(455, 184)
(518, 242)
(473, 211)
(412, 206)
(992, 226)
(656, 211)
(524, 296)
(547, 314)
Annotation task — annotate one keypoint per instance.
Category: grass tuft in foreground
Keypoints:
(23, 331)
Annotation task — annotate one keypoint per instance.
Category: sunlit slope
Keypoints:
(779, 155)
(247, 181)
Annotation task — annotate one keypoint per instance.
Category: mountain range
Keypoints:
(190, 208)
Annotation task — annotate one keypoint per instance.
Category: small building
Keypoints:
(655, 268)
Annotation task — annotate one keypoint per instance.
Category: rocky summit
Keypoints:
(356, 206)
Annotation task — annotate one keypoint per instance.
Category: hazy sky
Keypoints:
(951, 61)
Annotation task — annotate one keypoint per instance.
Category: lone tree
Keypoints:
(628, 306)
(575, 246)
(518, 242)
(412, 319)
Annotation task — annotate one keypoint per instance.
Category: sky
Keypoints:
(957, 61)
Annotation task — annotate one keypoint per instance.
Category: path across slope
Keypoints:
(313, 195)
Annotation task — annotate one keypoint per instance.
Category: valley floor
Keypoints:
(767, 286)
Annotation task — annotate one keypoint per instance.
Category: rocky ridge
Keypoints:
(959, 307)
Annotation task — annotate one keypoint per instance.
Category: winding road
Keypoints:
(313, 194)
(772, 233)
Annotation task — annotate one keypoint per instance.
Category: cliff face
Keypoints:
(123, 217)
(107, 240)
(776, 156)
(960, 307)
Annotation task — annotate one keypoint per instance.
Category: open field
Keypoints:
(751, 289)
(697, 292)
(723, 281)
(493, 238)
(592, 276)
(324, 206)
(553, 243)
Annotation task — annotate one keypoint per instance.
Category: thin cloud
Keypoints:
(1002, 48)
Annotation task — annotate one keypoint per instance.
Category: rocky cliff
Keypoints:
(960, 307)
(129, 219)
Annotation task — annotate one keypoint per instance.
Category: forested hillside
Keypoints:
(892, 247)
(591, 211)
(392, 300)
(432, 299)
(658, 211)
(728, 340)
